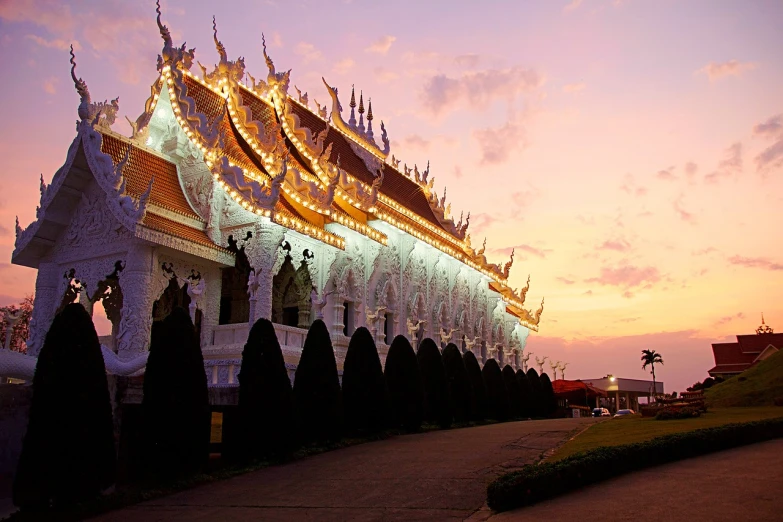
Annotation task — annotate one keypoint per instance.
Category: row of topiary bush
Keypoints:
(68, 453)
(414, 388)
(537, 482)
(71, 398)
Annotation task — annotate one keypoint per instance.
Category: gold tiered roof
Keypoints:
(278, 158)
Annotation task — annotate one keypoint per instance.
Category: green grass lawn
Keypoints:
(614, 432)
(760, 385)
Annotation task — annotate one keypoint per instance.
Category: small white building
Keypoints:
(625, 393)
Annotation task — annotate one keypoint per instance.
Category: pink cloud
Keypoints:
(538, 252)
(57, 43)
(629, 186)
(50, 84)
(729, 318)
(756, 262)
(343, 66)
(770, 128)
(498, 143)
(772, 156)
(482, 221)
(574, 87)
(683, 214)
(730, 165)
(382, 45)
(415, 141)
(620, 245)
(468, 60)
(572, 6)
(523, 198)
(443, 94)
(717, 70)
(308, 52)
(565, 280)
(627, 276)
(666, 174)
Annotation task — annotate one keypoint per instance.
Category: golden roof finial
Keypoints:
(361, 102)
(353, 98)
(763, 329)
(369, 110)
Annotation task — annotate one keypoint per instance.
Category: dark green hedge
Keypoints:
(537, 482)
(365, 401)
(68, 450)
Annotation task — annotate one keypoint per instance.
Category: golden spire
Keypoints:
(763, 329)
(353, 98)
(369, 110)
(361, 103)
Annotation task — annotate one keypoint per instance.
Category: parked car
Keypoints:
(601, 412)
(623, 413)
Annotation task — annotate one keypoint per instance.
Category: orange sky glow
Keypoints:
(631, 152)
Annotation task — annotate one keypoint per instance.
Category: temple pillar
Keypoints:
(262, 253)
(211, 311)
(338, 309)
(47, 299)
(133, 338)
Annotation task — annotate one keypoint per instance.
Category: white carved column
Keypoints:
(339, 310)
(45, 304)
(137, 299)
(211, 310)
(262, 254)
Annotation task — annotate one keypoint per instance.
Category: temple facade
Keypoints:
(238, 200)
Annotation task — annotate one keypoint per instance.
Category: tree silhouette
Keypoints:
(651, 358)
(403, 379)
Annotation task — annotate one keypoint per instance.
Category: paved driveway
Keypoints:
(439, 475)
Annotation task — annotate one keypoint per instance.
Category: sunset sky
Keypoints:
(631, 151)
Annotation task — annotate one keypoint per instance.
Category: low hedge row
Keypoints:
(537, 482)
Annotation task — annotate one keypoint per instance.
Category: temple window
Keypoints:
(348, 316)
(291, 289)
(234, 303)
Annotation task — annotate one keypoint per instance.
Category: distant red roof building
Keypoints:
(577, 392)
(734, 358)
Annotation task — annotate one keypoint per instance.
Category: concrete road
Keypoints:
(439, 475)
(740, 484)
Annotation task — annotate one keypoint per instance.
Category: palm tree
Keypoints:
(650, 358)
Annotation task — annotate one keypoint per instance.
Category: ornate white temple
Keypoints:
(237, 200)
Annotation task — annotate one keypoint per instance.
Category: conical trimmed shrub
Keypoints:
(433, 376)
(68, 450)
(460, 390)
(176, 401)
(403, 380)
(497, 396)
(525, 393)
(365, 403)
(266, 420)
(512, 389)
(548, 400)
(536, 392)
(317, 388)
(477, 384)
